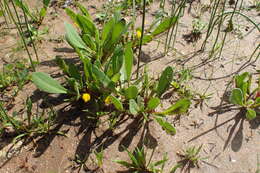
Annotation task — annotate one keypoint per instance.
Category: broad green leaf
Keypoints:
(116, 77)
(153, 103)
(73, 37)
(240, 79)
(133, 107)
(117, 30)
(46, 3)
(179, 107)
(107, 29)
(75, 86)
(69, 69)
(72, 15)
(147, 39)
(243, 82)
(166, 24)
(250, 114)
(117, 60)
(102, 77)
(86, 25)
(74, 71)
(46, 83)
(62, 64)
(236, 97)
(117, 103)
(131, 92)
(90, 42)
(164, 81)
(116, 34)
(87, 66)
(84, 11)
(166, 126)
(1, 13)
(128, 62)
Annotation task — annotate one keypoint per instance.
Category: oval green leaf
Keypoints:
(133, 107)
(180, 107)
(164, 81)
(250, 114)
(46, 83)
(236, 97)
(73, 37)
(131, 92)
(166, 126)
(165, 25)
(153, 103)
(117, 103)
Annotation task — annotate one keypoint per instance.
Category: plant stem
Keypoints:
(218, 32)
(230, 20)
(141, 41)
(5, 18)
(19, 28)
(27, 26)
(210, 26)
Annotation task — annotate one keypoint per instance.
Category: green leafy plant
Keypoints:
(190, 157)
(34, 35)
(37, 16)
(104, 81)
(197, 28)
(243, 96)
(30, 126)
(14, 74)
(140, 164)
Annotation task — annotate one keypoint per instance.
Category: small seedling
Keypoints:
(201, 98)
(242, 95)
(197, 27)
(30, 126)
(140, 164)
(14, 74)
(190, 157)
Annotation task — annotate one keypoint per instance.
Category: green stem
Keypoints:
(19, 28)
(225, 36)
(218, 32)
(141, 41)
(210, 26)
(27, 26)
(5, 18)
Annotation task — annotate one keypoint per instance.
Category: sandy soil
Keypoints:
(230, 143)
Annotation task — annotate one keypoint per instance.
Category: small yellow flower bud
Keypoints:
(86, 97)
(107, 100)
(138, 34)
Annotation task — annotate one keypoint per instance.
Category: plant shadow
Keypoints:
(74, 116)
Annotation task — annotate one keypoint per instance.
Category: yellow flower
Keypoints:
(86, 97)
(138, 34)
(108, 100)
